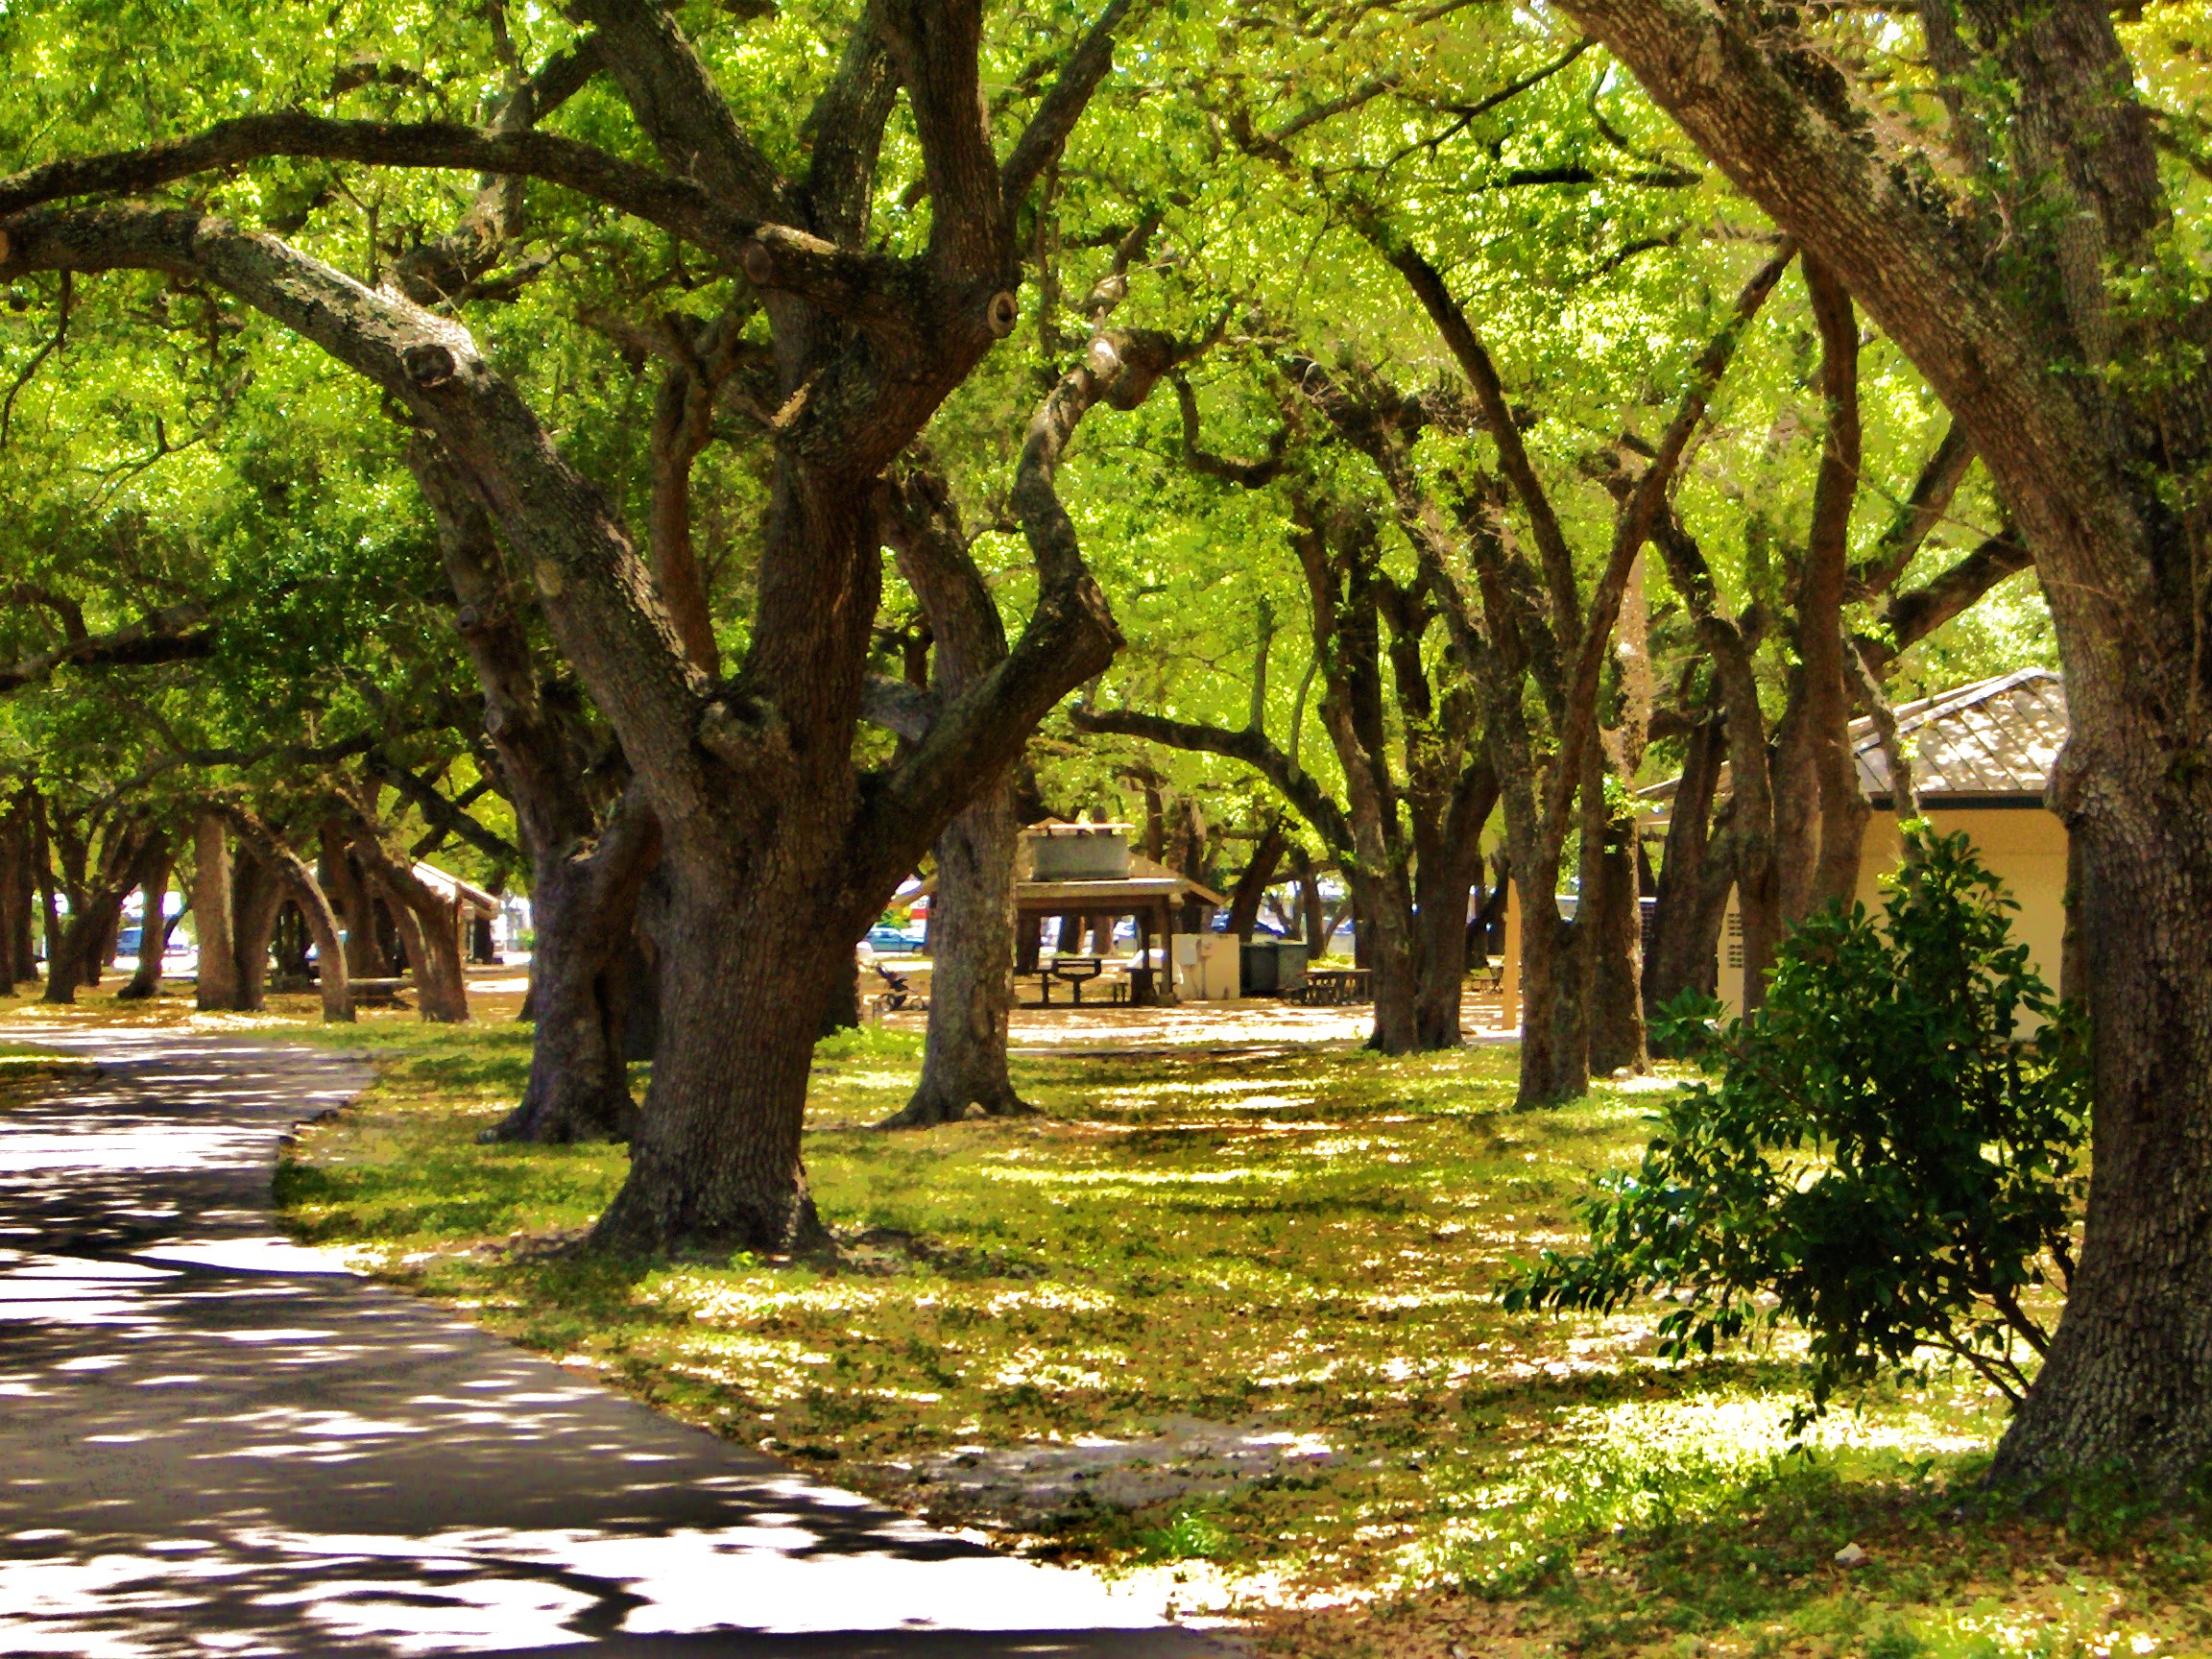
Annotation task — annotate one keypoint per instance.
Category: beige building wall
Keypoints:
(2024, 847)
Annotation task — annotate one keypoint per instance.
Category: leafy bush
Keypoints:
(1886, 1160)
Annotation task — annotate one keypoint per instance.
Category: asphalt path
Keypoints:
(214, 1442)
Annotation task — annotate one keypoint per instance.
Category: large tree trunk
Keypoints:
(1259, 873)
(16, 898)
(1554, 981)
(1396, 982)
(218, 985)
(430, 934)
(414, 951)
(429, 926)
(42, 875)
(96, 904)
(145, 982)
(1615, 919)
(108, 947)
(67, 953)
(1572, 986)
(1681, 957)
(2128, 1381)
(715, 1160)
(256, 897)
(349, 899)
(1314, 914)
(291, 877)
(588, 990)
(585, 910)
(970, 981)
(1440, 948)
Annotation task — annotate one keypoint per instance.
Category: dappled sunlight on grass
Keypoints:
(1302, 1245)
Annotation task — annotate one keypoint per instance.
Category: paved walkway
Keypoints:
(213, 1442)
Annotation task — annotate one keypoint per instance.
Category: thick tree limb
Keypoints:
(1819, 619)
(1475, 361)
(292, 872)
(1254, 748)
(445, 815)
(1912, 616)
(1056, 118)
(173, 633)
(451, 265)
(597, 594)
(1248, 474)
(680, 206)
(1940, 476)
(1070, 635)
(845, 132)
(676, 103)
(937, 45)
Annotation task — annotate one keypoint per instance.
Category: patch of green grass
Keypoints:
(1308, 1240)
(1189, 1535)
(29, 1076)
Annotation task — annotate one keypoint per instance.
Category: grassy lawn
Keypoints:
(1298, 1245)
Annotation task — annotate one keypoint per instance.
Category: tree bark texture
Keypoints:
(428, 923)
(1681, 957)
(971, 983)
(145, 982)
(1614, 898)
(257, 897)
(97, 878)
(588, 856)
(1257, 874)
(585, 908)
(17, 896)
(217, 985)
(292, 878)
(350, 900)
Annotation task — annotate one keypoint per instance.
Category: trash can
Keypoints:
(1271, 967)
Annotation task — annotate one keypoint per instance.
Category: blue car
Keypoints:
(895, 941)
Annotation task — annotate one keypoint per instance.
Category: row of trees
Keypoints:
(640, 446)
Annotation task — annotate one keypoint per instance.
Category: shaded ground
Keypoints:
(1277, 1244)
(215, 1440)
(1293, 1247)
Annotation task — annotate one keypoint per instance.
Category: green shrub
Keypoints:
(1886, 1160)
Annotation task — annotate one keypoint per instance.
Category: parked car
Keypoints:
(893, 941)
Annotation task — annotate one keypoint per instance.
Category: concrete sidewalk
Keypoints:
(212, 1441)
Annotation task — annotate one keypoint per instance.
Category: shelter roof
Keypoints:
(1146, 883)
(1994, 740)
(451, 888)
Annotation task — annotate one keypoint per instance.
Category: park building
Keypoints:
(1982, 757)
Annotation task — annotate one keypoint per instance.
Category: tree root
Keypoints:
(931, 1107)
(565, 1122)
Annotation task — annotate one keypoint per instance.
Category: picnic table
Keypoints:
(1333, 987)
(1073, 972)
